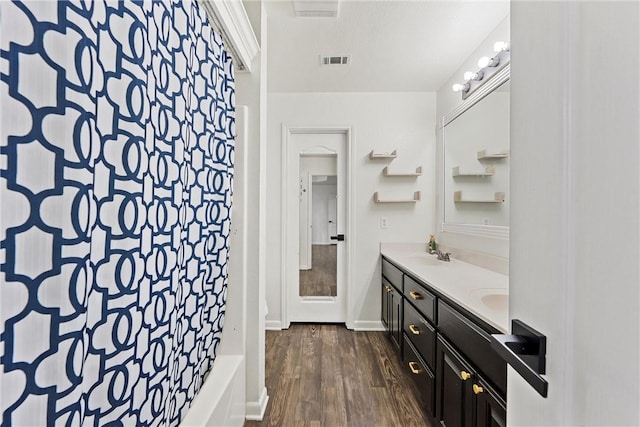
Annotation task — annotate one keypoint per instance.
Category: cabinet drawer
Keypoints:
(422, 376)
(392, 274)
(424, 300)
(421, 334)
(475, 343)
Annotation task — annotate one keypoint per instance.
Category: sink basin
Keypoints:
(493, 298)
(496, 301)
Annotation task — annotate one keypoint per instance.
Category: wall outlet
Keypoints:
(383, 222)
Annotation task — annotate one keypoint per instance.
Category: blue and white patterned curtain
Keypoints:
(116, 162)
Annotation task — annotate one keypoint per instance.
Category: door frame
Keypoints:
(285, 253)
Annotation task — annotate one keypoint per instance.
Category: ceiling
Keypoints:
(395, 46)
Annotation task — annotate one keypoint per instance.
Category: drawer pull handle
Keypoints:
(477, 389)
(415, 295)
(465, 375)
(414, 330)
(415, 368)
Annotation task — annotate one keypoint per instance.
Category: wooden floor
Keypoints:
(320, 281)
(326, 376)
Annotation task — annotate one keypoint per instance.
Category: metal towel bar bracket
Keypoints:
(525, 351)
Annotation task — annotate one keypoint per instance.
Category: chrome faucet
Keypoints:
(443, 256)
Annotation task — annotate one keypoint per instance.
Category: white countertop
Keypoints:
(483, 292)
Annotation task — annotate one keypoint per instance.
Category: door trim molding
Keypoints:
(287, 131)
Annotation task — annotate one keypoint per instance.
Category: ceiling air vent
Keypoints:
(335, 60)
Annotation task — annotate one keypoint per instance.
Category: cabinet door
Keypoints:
(454, 393)
(386, 303)
(491, 410)
(396, 317)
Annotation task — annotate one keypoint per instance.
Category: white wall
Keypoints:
(447, 101)
(381, 121)
(575, 208)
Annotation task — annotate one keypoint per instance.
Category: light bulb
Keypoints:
(501, 46)
(460, 87)
(470, 75)
(485, 61)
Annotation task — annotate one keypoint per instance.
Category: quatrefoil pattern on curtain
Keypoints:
(116, 165)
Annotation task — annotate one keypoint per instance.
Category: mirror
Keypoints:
(318, 223)
(476, 161)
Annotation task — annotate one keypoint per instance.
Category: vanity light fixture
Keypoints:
(461, 87)
(488, 67)
(470, 75)
(501, 47)
(485, 62)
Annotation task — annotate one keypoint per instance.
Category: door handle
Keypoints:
(339, 237)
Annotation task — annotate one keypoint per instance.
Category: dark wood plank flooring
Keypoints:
(325, 375)
(320, 281)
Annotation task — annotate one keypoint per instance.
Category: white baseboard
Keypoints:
(368, 325)
(256, 410)
(273, 325)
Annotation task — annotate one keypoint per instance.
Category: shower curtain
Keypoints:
(116, 168)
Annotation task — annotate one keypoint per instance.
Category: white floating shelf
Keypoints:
(498, 197)
(488, 171)
(483, 154)
(377, 199)
(373, 155)
(418, 172)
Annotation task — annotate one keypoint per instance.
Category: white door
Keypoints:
(305, 308)
(574, 245)
(332, 215)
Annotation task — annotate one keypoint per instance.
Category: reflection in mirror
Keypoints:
(476, 162)
(318, 222)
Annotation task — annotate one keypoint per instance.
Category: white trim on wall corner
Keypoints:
(273, 325)
(256, 410)
(284, 149)
(368, 325)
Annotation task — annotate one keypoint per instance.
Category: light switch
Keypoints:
(383, 222)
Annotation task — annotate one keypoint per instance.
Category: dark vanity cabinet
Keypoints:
(392, 302)
(491, 409)
(454, 402)
(422, 375)
(461, 380)
(421, 333)
(464, 397)
(386, 295)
